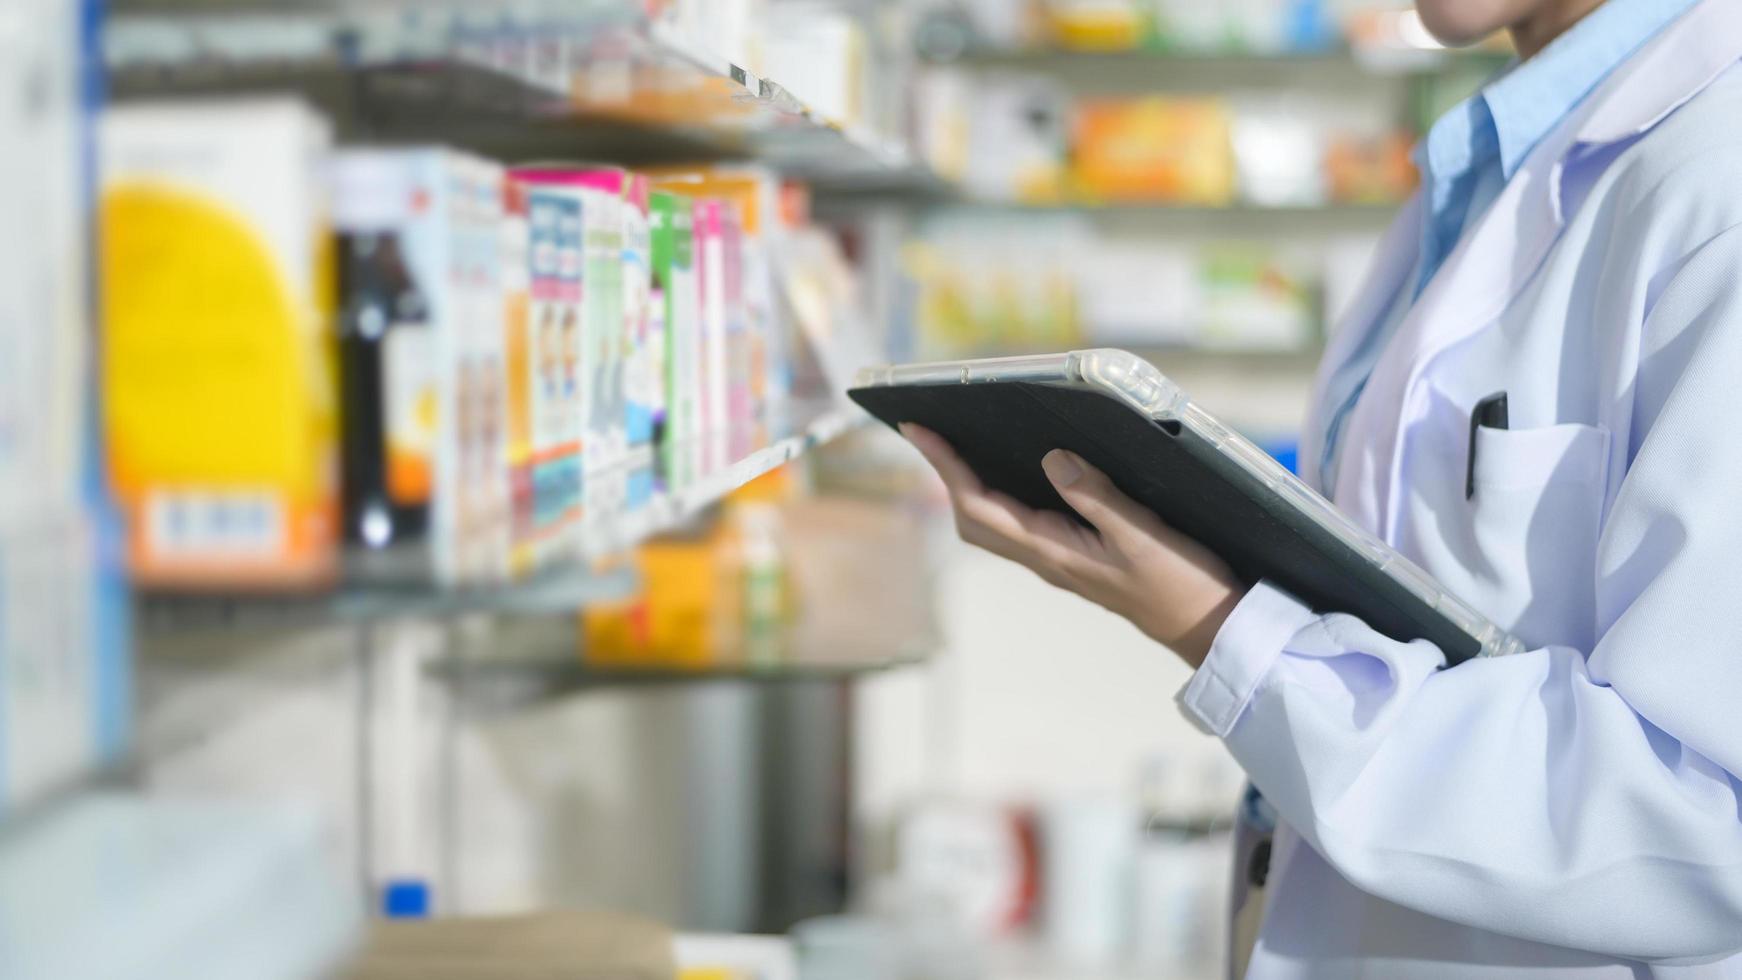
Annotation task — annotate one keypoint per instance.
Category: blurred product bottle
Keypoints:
(761, 553)
(1179, 889)
(387, 380)
(1089, 849)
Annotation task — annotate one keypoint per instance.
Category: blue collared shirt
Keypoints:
(1476, 147)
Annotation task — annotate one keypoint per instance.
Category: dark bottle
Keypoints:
(387, 387)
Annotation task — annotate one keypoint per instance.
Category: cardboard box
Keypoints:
(555, 378)
(678, 334)
(218, 366)
(423, 353)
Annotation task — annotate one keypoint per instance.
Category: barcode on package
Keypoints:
(232, 524)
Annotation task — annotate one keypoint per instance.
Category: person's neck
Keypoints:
(1548, 21)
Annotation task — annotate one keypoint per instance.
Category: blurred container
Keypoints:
(1279, 153)
(1180, 901)
(808, 582)
(1370, 169)
(972, 866)
(1089, 850)
(1018, 137)
(847, 948)
(1175, 150)
(1255, 298)
(1098, 25)
(822, 56)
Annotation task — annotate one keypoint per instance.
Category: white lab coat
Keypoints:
(1576, 810)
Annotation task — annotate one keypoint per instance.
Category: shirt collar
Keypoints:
(1513, 113)
(1529, 100)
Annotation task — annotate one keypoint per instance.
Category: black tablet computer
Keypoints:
(1119, 412)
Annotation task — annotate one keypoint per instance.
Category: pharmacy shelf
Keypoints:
(119, 886)
(1382, 61)
(529, 80)
(672, 510)
(559, 591)
(1365, 211)
(495, 683)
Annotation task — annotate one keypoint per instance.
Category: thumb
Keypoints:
(1092, 494)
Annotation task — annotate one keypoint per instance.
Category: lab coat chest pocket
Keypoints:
(1533, 521)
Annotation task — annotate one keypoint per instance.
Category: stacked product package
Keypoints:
(64, 667)
(412, 363)
(423, 341)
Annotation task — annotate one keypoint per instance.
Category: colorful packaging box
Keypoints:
(477, 444)
(422, 360)
(643, 382)
(218, 370)
(1173, 150)
(713, 220)
(759, 365)
(621, 379)
(515, 278)
(677, 417)
(555, 378)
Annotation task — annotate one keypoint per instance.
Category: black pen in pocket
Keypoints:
(1489, 413)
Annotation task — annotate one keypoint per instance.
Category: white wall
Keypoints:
(1037, 695)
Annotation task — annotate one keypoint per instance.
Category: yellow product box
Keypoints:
(217, 343)
(688, 615)
(1098, 25)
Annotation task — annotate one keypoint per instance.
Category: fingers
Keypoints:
(1046, 541)
(982, 518)
(1092, 494)
(942, 457)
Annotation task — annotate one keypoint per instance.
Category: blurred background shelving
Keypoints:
(729, 674)
(546, 80)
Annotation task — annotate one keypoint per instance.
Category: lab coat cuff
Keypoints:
(1249, 643)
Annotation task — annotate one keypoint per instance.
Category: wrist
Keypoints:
(1193, 644)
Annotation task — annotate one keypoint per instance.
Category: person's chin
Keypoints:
(1455, 24)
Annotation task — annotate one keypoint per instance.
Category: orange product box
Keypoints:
(687, 615)
(1174, 150)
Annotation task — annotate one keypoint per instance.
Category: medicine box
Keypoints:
(218, 368)
(423, 352)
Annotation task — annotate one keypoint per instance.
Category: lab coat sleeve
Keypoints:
(1589, 799)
